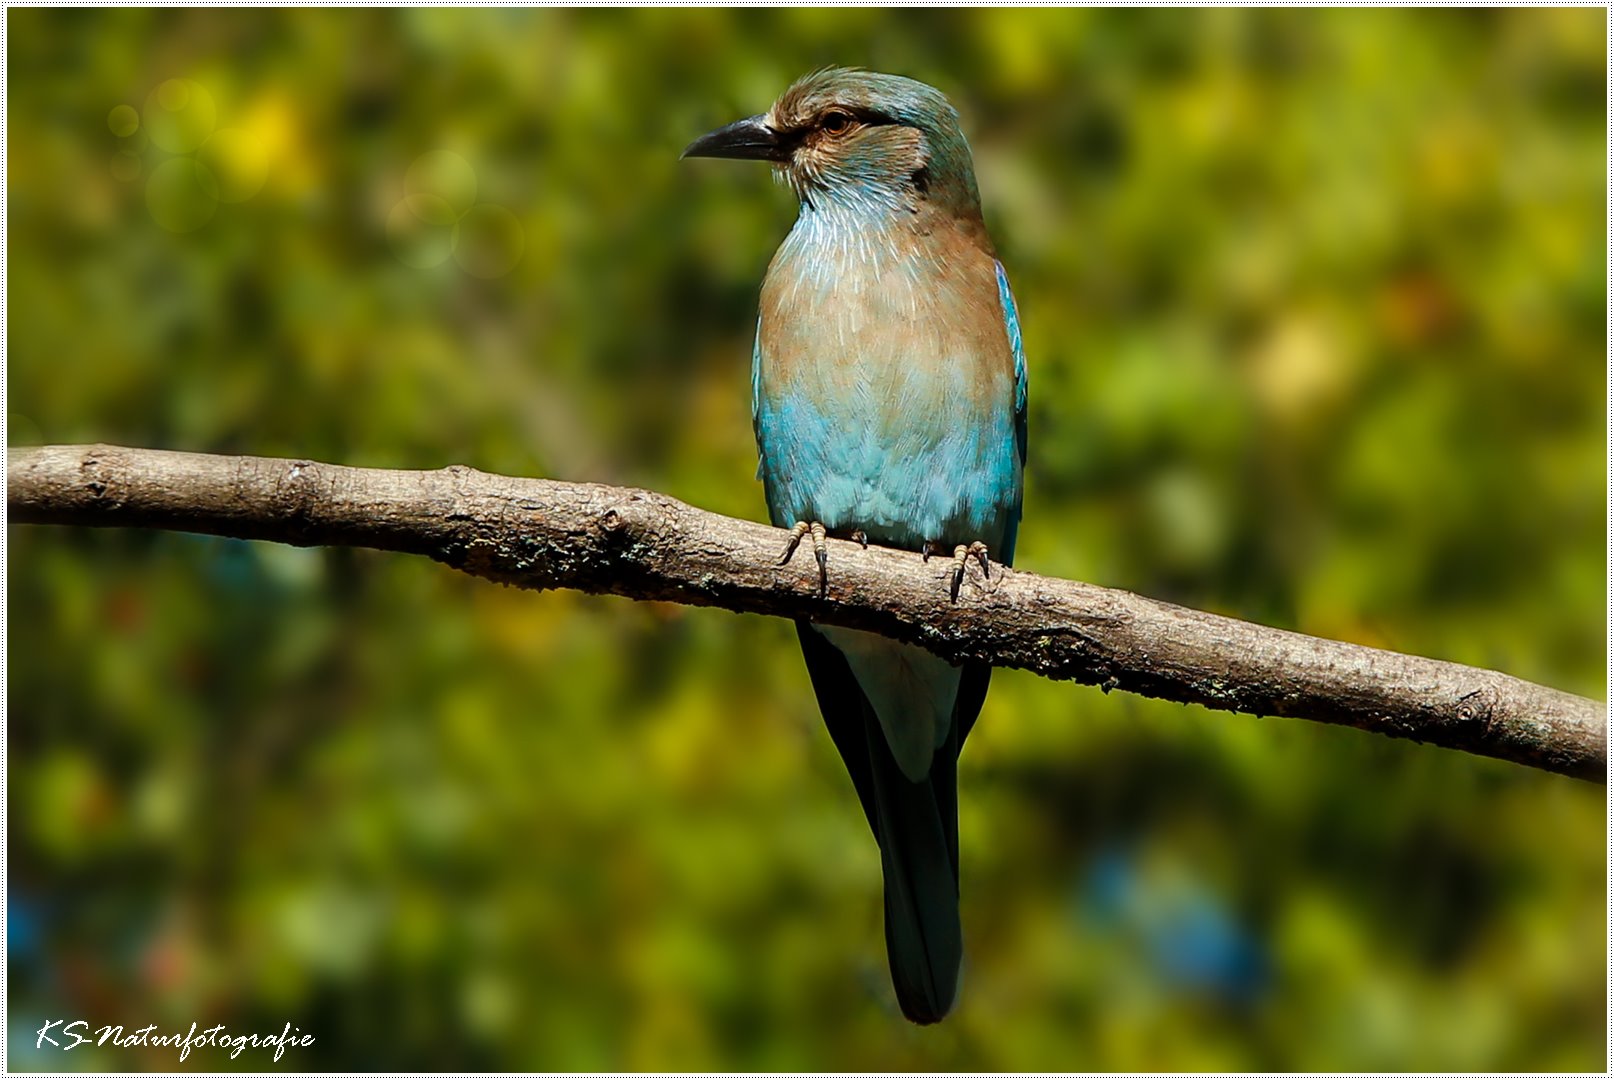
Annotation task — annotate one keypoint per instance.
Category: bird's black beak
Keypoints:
(750, 138)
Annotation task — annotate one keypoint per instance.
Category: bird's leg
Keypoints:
(820, 549)
(961, 559)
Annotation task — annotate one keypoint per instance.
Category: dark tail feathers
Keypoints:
(915, 823)
(918, 834)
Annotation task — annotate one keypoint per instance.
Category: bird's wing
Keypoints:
(756, 394)
(1011, 319)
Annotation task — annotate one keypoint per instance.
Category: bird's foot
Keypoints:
(961, 559)
(820, 549)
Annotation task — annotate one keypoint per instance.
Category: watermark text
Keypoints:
(71, 1034)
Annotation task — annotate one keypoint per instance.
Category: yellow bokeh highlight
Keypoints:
(275, 125)
(237, 164)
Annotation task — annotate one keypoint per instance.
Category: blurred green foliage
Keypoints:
(1314, 305)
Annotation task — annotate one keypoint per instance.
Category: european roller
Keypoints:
(888, 397)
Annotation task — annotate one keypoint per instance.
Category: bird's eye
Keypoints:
(836, 122)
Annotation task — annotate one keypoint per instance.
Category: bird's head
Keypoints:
(862, 140)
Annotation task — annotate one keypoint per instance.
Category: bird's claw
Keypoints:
(797, 531)
(961, 561)
(820, 549)
(978, 549)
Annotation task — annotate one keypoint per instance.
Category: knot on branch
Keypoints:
(97, 476)
(294, 497)
(633, 525)
(1477, 707)
(612, 525)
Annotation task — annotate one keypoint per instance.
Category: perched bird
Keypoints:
(888, 397)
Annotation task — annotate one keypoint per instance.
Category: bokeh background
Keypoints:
(1314, 306)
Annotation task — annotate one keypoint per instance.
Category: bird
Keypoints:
(888, 400)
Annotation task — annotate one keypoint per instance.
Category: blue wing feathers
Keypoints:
(756, 397)
(1011, 318)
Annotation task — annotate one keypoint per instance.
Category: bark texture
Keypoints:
(544, 534)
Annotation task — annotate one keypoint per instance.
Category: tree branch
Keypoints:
(542, 534)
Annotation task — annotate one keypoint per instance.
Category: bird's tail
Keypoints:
(918, 834)
(916, 824)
